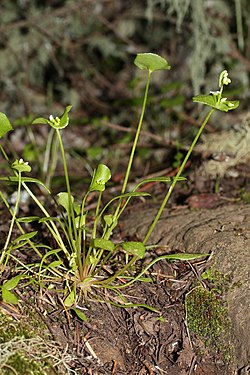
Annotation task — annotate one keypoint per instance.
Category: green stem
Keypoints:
(158, 215)
(54, 231)
(19, 226)
(13, 216)
(71, 216)
(125, 182)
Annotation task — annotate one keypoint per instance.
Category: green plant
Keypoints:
(207, 318)
(83, 249)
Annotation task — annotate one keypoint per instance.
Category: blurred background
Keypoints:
(59, 52)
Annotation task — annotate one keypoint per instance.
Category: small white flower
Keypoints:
(51, 118)
(21, 161)
(224, 79)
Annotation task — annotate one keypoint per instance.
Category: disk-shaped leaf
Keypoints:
(100, 177)
(151, 62)
(134, 248)
(21, 166)
(212, 101)
(5, 124)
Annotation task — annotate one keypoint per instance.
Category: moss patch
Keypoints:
(207, 319)
(25, 347)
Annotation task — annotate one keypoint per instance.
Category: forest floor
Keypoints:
(40, 335)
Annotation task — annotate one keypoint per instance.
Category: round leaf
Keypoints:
(151, 62)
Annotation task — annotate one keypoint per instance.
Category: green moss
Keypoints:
(20, 363)
(218, 282)
(23, 349)
(207, 319)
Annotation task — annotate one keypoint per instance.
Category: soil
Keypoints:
(224, 233)
(138, 341)
(197, 316)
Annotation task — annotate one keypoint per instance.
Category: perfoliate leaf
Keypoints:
(5, 124)
(134, 248)
(104, 244)
(151, 62)
(21, 166)
(57, 122)
(212, 101)
(9, 297)
(100, 177)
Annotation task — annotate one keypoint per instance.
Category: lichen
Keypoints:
(23, 347)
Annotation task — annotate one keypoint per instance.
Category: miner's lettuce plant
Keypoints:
(84, 247)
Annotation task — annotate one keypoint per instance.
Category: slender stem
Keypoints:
(125, 182)
(13, 215)
(71, 215)
(54, 231)
(136, 135)
(19, 227)
(157, 217)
